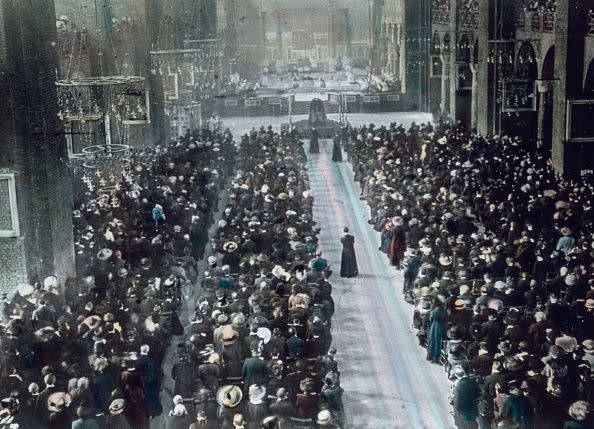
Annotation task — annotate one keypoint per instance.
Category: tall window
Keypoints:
(9, 216)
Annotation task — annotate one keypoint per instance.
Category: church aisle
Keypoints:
(387, 382)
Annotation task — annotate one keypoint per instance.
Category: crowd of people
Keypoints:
(95, 344)
(259, 340)
(255, 349)
(497, 257)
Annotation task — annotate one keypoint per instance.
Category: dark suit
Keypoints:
(254, 371)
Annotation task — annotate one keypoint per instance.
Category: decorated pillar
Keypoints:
(474, 99)
(544, 90)
(445, 83)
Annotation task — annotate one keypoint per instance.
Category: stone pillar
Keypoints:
(264, 13)
(543, 89)
(33, 150)
(348, 30)
(279, 35)
(331, 34)
(445, 83)
(453, 71)
(481, 76)
(474, 98)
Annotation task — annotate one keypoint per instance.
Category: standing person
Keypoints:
(337, 150)
(435, 334)
(466, 396)
(398, 243)
(314, 145)
(348, 264)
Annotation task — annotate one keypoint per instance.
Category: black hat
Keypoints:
(454, 333)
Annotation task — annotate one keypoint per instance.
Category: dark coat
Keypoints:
(117, 421)
(337, 151)
(174, 422)
(397, 245)
(283, 409)
(519, 410)
(314, 146)
(348, 263)
(184, 376)
(209, 375)
(254, 371)
(466, 396)
(435, 333)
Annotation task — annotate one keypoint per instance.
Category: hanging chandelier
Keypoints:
(124, 98)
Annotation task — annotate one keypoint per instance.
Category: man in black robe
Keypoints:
(314, 145)
(348, 263)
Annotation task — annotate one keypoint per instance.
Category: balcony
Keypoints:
(591, 23)
(538, 22)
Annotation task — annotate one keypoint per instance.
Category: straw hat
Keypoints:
(230, 396)
(307, 384)
(588, 346)
(397, 221)
(58, 401)
(257, 394)
(264, 334)
(104, 254)
(117, 406)
(230, 336)
(230, 246)
(459, 304)
(324, 417)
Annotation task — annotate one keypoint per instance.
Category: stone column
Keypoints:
(453, 69)
(263, 61)
(543, 89)
(445, 83)
(481, 76)
(279, 35)
(562, 51)
(474, 97)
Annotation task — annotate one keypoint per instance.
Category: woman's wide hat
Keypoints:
(229, 396)
(230, 336)
(104, 254)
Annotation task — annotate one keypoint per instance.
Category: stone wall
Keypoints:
(32, 145)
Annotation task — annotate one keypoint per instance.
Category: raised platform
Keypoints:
(278, 105)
